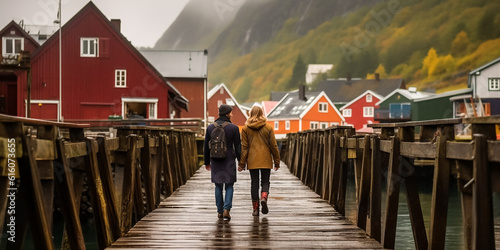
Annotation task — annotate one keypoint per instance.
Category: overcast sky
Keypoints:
(143, 21)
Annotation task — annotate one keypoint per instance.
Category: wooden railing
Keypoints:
(320, 158)
(127, 176)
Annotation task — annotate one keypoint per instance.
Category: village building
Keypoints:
(187, 71)
(300, 110)
(397, 106)
(360, 111)
(315, 70)
(219, 95)
(103, 76)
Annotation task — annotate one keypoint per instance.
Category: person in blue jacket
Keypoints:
(223, 171)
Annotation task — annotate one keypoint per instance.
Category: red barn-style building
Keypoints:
(299, 111)
(13, 41)
(103, 75)
(219, 95)
(360, 111)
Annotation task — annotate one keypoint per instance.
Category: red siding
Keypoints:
(193, 90)
(91, 79)
(213, 109)
(357, 119)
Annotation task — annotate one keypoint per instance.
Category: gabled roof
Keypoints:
(411, 95)
(222, 85)
(291, 106)
(484, 66)
(361, 96)
(343, 90)
(179, 64)
(21, 30)
(179, 99)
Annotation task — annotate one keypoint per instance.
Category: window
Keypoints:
(287, 125)
(276, 125)
(334, 123)
(89, 47)
(323, 107)
(494, 84)
(230, 102)
(219, 102)
(324, 125)
(221, 91)
(367, 111)
(369, 98)
(120, 78)
(12, 46)
(314, 125)
(152, 111)
(347, 112)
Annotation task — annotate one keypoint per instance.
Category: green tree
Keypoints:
(298, 74)
(244, 90)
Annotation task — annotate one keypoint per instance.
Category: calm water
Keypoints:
(404, 234)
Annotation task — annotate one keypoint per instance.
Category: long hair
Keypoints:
(256, 115)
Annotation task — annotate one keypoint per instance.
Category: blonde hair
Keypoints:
(256, 115)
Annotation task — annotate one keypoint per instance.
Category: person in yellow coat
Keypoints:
(259, 152)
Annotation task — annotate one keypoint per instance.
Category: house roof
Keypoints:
(278, 95)
(360, 96)
(445, 94)
(478, 70)
(23, 32)
(178, 64)
(411, 95)
(291, 106)
(343, 90)
(176, 96)
(222, 85)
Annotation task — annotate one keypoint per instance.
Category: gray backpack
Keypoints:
(218, 143)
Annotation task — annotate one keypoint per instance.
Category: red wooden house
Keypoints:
(360, 111)
(299, 111)
(13, 40)
(219, 95)
(187, 71)
(103, 75)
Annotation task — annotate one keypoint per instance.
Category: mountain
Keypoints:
(253, 49)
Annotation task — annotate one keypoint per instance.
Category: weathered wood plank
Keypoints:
(298, 219)
(418, 150)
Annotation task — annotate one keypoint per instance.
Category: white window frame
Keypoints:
(347, 113)
(120, 78)
(152, 110)
(221, 91)
(334, 124)
(85, 42)
(368, 111)
(276, 125)
(314, 125)
(323, 125)
(369, 98)
(13, 53)
(494, 84)
(323, 107)
(147, 100)
(219, 102)
(287, 125)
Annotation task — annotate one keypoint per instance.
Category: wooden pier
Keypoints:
(298, 219)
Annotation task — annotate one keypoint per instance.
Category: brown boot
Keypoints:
(255, 208)
(263, 202)
(227, 216)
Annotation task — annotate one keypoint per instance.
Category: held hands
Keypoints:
(207, 167)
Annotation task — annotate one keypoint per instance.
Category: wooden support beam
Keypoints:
(392, 199)
(375, 189)
(440, 194)
(483, 233)
(129, 176)
(364, 193)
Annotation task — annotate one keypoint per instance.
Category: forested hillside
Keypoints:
(432, 44)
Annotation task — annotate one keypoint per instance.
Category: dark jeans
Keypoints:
(264, 176)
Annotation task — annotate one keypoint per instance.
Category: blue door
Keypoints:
(406, 111)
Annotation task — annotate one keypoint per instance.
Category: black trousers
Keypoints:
(264, 178)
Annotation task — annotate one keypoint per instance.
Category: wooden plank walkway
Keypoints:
(298, 218)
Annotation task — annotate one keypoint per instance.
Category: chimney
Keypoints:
(377, 77)
(116, 23)
(302, 93)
